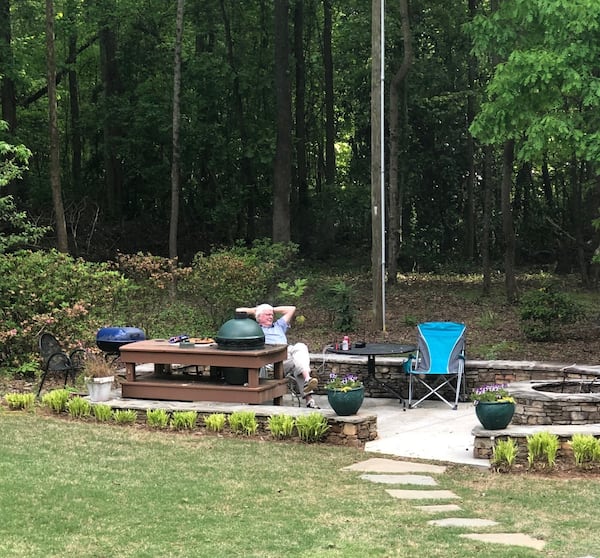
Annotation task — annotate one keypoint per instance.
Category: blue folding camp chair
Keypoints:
(438, 363)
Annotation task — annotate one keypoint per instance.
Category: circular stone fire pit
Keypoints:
(557, 402)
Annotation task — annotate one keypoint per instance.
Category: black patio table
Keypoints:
(373, 350)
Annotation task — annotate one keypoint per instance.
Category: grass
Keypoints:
(100, 490)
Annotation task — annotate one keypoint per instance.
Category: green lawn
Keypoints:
(80, 489)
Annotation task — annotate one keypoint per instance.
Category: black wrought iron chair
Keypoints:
(57, 361)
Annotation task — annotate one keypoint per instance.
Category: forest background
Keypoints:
(194, 132)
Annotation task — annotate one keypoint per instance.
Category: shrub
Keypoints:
(56, 400)
(215, 422)
(336, 299)
(243, 422)
(312, 427)
(19, 400)
(281, 426)
(51, 290)
(124, 416)
(102, 413)
(542, 444)
(184, 420)
(157, 418)
(229, 278)
(543, 311)
(79, 407)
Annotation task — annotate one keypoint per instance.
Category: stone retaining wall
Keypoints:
(354, 431)
(477, 372)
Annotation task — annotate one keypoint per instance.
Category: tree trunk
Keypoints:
(507, 222)
(486, 221)
(394, 205)
(247, 174)
(302, 207)
(329, 101)
(377, 239)
(74, 99)
(469, 211)
(59, 212)
(174, 223)
(283, 151)
(112, 131)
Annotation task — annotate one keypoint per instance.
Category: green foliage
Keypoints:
(124, 416)
(505, 453)
(542, 444)
(312, 427)
(293, 291)
(78, 407)
(488, 319)
(19, 400)
(586, 448)
(243, 422)
(183, 420)
(17, 230)
(157, 418)
(56, 400)
(102, 413)
(494, 351)
(542, 311)
(281, 426)
(215, 421)
(225, 279)
(336, 299)
(410, 321)
(52, 291)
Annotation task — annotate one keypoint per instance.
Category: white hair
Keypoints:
(262, 308)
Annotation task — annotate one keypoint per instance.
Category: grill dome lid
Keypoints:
(240, 333)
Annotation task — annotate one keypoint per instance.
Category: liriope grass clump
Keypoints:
(281, 426)
(504, 454)
(124, 416)
(542, 445)
(78, 407)
(312, 427)
(19, 401)
(102, 413)
(157, 418)
(215, 422)
(184, 420)
(56, 400)
(243, 422)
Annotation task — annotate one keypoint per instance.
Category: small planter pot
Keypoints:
(494, 416)
(346, 403)
(99, 388)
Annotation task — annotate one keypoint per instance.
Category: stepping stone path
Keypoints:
(390, 471)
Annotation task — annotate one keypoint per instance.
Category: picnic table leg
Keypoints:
(130, 371)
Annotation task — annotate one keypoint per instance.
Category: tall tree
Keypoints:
(283, 150)
(329, 100)
(112, 87)
(175, 161)
(302, 200)
(71, 14)
(57, 201)
(395, 193)
(377, 216)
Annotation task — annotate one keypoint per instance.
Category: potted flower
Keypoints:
(494, 406)
(345, 394)
(98, 376)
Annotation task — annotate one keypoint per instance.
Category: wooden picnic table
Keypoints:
(190, 387)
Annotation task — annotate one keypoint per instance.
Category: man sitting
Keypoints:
(298, 361)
